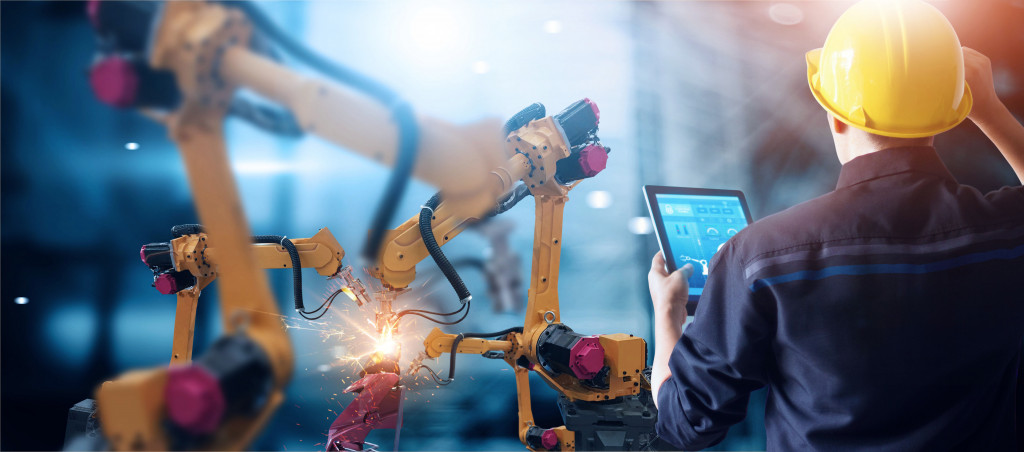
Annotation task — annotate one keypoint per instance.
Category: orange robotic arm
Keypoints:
(583, 369)
(187, 264)
(203, 48)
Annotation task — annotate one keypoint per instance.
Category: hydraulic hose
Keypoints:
(446, 267)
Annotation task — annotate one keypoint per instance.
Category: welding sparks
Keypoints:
(365, 337)
(387, 346)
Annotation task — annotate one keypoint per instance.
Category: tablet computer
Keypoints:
(692, 224)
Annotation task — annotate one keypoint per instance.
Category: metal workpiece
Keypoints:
(378, 405)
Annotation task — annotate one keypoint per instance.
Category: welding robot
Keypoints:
(181, 64)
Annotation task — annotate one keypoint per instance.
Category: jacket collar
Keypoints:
(887, 162)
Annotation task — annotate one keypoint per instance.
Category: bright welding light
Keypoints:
(388, 347)
(348, 291)
(21, 300)
(387, 344)
(131, 146)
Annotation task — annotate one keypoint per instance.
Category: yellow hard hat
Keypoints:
(892, 68)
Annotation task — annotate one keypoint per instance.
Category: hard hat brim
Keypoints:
(813, 59)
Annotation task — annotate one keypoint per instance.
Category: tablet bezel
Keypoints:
(650, 194)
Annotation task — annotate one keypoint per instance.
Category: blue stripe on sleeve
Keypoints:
(874, 269)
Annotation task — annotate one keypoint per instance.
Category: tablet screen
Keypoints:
(695, 227)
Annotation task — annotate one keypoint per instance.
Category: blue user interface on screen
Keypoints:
(696, 226)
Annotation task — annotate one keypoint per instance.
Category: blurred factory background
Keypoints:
(706, 94)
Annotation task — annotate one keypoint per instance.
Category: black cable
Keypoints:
(405, 161)
(474, 262)
(422, 311)
(296, 265)
(515, 329)
(446, 267)
(519, 193)
(293, 254)
(518, 120)
(327, 301)
(437, 378)
(468, 261)
(408, 128)
(455, 347)
(438, 321)
(326, 306)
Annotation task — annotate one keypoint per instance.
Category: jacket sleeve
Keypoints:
(721, 357)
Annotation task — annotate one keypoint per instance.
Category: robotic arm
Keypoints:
(187, 264)
(604, 391)
(181, 64)
(600, 379)
(546, 161)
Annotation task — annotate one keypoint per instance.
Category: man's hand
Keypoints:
(978, 72)
(669, 291)
(990, 115)
(668, 294)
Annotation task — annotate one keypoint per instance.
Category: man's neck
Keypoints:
(864, 145)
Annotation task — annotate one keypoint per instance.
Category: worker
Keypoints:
(887, 314)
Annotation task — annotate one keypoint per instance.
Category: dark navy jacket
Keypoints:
(886, 315)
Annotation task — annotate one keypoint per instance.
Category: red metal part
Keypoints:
(586, 357)
(115, 82)
(166, 284)
(593, 160)
(195, 401)
(549, 439)
(378, 404)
